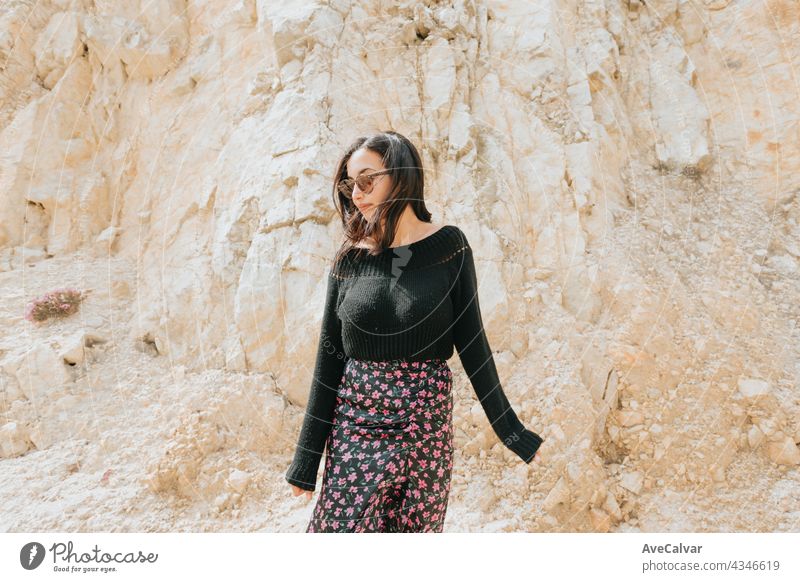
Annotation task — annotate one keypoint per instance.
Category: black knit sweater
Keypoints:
(413, 302)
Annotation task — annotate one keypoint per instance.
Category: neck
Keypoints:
(409, 228)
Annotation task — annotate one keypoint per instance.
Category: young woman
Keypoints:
(402, 292)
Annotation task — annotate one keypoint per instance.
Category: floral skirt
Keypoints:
(390, 449)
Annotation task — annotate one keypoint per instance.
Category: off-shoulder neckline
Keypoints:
(433, 237)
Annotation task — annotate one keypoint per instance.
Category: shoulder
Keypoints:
(453, 250)
(454, 237)
(457, 242)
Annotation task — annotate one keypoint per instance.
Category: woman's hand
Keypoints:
(297, 491)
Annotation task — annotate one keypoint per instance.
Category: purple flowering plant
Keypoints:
(57, 303)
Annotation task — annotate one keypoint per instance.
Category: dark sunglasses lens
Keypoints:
(346, 187)
(364, 183)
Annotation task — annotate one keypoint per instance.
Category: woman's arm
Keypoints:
(473, 348)
(322, 396)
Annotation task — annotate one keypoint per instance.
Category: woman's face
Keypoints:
(366, 161)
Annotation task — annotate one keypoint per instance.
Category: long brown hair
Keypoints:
(402, 159)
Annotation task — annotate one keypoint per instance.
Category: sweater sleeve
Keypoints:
(328, 372)
(473, 348)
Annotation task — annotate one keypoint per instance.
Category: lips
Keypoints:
(363, 208)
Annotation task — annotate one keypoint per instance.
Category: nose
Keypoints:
(358, 195)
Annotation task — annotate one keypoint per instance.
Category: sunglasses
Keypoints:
(365, 183)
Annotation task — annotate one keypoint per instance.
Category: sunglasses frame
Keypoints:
(348, 192)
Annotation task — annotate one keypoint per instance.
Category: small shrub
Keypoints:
(57, 303)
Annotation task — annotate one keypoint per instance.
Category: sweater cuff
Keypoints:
(303, 474)
(524, 443)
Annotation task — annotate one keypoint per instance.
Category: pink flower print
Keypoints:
(437, 453)
(337, 511)
(359, 498)
(364, 467)
(351, 477)
(369, 476)
(328, 504)
(336, 470)
(368, 401)
(376, 394)
(404, 364)
(349, 511)
(397, 402)
(427, 426)
(436, 486)
(347, 456)
(440, 472)
(351, 524)
(423, 374)
(415, 365)
(372, 410)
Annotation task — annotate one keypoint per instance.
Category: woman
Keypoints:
(401, 294)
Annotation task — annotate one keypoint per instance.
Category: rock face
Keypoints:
(626, 173)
